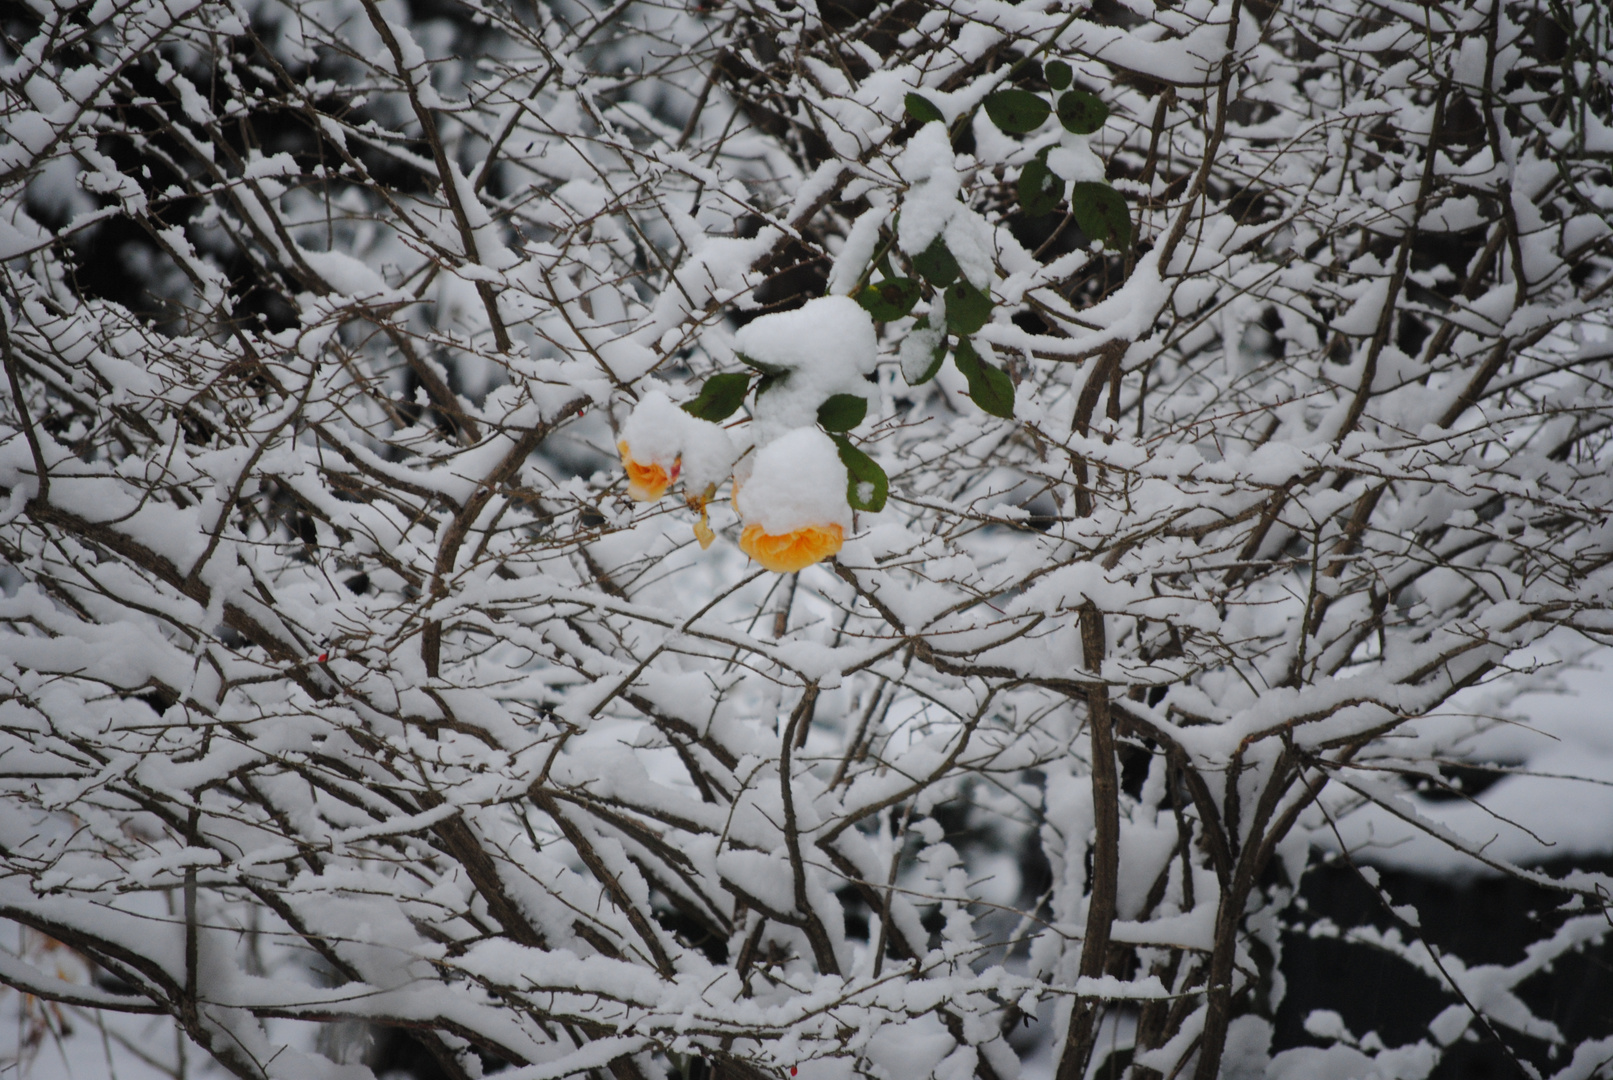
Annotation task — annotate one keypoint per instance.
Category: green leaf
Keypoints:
(762, 366)
(936, 264)
(1058, 74)
(1040, 189)
(769, 381)
(1081, 112)
(989, 387)
(937, 356)
(920, 109)
(842, 412)
(889, 299)
(883, 265)
(866, 483)
(720, 397)
(922, 352)
(1016, 111)
(1102, 213)
(968, 309)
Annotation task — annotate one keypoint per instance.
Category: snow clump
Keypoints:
(825, 346)
(798, 481)
(659, 441)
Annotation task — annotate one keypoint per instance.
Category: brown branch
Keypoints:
(822, 948)
(1082, 1031)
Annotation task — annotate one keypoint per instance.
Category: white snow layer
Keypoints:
(660, 433)
(827, 346)
(798, 480)
(928, 165)
(1555, 805)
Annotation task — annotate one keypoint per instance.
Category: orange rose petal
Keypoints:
(704, 533)
(646, 483)
(793, 550)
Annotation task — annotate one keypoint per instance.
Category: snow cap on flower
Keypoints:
(798, 480)
(826, 346)
(660, 441)
(794, 502)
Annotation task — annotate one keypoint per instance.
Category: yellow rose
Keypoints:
(793, 550)
(646, 482)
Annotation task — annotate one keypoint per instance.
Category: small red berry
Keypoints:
(792, 1070)
(323, 656)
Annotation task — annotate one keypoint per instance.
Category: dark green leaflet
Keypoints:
(719, 397)
(1102, 213)
(890, 299)
(1081, 112)
(866, 483)
(989, 387)
(842, 412)
(1040, 189)
(968, 309)
(920, 109)
(936, 264)
(1017, 111)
